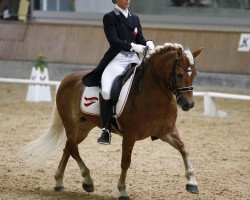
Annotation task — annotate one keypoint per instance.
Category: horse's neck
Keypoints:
(154, 103)
(156, 88)
(150, 90)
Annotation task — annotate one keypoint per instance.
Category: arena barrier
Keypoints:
(210, 108)
(28, 81)
(209, 105)
(36, 92)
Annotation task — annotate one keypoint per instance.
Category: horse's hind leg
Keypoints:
(75, 136)
(60, 172)
(174, 140)
(87, 184)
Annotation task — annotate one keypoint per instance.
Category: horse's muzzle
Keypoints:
(185, 104)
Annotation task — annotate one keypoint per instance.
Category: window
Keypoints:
(54, 5)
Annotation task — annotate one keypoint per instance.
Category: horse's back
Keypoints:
(74, 77)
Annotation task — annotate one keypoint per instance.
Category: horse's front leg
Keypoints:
(174, 140)
(127, 147)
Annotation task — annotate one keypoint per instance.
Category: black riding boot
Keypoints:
(106, 114)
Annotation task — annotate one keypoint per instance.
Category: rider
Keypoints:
(124, 34)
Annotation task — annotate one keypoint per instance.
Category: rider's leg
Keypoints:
(106, 114)
(114, 69)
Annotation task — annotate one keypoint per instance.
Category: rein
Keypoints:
(178, 90)
(141, 67)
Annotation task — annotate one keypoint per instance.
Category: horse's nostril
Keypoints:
(188, 106)
(185, 107)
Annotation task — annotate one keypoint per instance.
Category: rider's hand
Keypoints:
(150, 45)
(138, 48)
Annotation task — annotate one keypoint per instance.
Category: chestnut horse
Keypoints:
(164, 80)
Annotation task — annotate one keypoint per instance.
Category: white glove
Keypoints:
(150, 45)
(138, 48)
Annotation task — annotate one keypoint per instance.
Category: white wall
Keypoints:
(101, 6)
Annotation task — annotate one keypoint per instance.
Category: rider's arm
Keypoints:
(139, 38)
(112, 34)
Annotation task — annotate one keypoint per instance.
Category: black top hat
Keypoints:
(114, 1)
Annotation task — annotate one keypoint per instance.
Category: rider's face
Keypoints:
(124, 4)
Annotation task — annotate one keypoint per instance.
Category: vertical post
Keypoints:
(45, 5)
(209, 106)
(31, 8)
(57, 5)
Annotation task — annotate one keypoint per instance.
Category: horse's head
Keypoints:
(182, 76)
(176, 66)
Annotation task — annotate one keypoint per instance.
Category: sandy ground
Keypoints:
(219, 150)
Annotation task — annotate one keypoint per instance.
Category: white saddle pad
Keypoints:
(90, 103)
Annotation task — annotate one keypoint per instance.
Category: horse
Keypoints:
(163, 83)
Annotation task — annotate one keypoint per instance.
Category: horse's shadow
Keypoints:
(66, 195)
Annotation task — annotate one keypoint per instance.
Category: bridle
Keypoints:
(175, 89)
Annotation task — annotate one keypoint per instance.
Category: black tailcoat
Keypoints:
(120, 33)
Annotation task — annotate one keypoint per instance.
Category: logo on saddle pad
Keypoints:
(90, 103)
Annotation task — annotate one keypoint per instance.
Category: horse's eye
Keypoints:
(179, 75)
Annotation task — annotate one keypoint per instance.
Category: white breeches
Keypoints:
(114, 69)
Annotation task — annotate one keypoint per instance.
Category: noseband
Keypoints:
(175, 89)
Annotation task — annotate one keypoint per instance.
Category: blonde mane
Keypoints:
(176, 46)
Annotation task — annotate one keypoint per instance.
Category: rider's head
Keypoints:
(124, 4)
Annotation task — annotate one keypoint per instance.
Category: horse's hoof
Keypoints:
(192, 188)
(124, 198)
(88, 188)
(58, 189)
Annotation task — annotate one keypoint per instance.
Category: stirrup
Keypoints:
(105, 137)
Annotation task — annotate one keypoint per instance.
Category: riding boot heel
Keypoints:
(105, 137)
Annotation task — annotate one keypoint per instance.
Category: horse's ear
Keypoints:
(179, 53)
(196, 53)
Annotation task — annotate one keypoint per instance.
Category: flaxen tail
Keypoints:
(49, 143)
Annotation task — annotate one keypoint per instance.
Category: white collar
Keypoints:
(124, 12)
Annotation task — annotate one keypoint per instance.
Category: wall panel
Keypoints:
(86, 44)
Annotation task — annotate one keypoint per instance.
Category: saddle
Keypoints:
(119, 93)
(120, 81)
